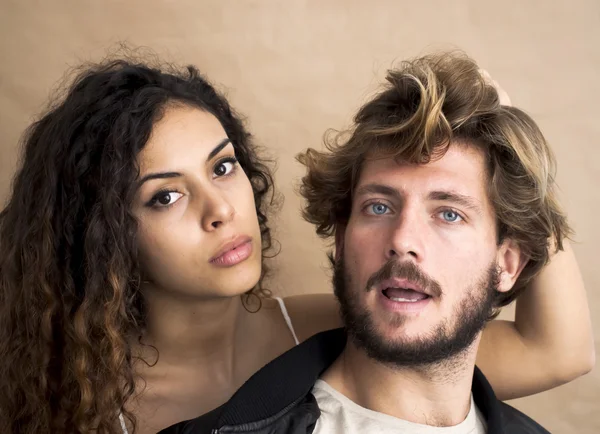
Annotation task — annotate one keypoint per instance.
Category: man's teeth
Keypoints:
(403, 300)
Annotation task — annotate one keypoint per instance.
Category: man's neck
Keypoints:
(437, 395)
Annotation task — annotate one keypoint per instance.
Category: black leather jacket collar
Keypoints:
(278, 399)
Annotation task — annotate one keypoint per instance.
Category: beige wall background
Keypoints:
(298, 67)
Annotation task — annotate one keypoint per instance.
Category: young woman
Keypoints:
(131, 267)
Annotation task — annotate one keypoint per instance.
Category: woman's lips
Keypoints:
(233, 253)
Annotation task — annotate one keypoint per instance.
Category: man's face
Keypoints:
(417, 264)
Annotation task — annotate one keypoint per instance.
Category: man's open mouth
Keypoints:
(404, 295)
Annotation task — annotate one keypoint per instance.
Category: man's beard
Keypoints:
(441, 345)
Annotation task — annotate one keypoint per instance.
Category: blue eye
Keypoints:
(450, 216)
(379, 208)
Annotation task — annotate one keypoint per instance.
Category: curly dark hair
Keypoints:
(69, 276)
(427, 103)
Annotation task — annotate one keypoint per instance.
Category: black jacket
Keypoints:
(278, 399)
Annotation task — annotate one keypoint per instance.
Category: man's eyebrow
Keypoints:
(452, 196)
(382, 189)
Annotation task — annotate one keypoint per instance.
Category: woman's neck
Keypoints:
(188, 331)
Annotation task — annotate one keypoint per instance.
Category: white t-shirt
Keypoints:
(340, 415)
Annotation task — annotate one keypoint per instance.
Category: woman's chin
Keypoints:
(240, 280)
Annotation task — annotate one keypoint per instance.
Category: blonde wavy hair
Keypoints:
(426, 104)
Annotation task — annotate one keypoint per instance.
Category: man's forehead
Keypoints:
(460, 168)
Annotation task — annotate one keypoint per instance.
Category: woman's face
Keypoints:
(198, 229)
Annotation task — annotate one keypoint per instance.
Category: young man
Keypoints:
(443, 208)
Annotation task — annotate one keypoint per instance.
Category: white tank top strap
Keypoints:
(123, 426)
(287, 318)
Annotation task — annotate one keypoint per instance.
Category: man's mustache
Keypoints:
(405, 270)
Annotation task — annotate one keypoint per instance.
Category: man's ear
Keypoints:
(340, 232)
(511, 262)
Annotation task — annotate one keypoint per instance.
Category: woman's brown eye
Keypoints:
(224, 167)
(221, 170)
(164, 199)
